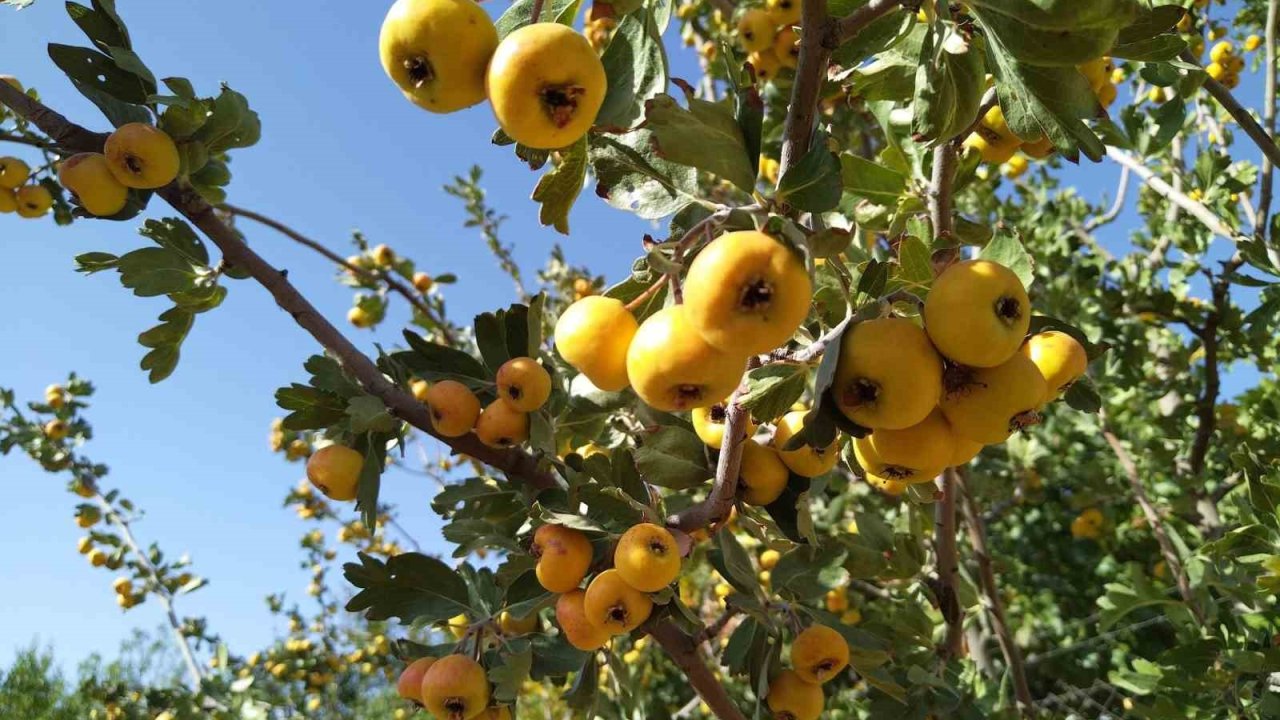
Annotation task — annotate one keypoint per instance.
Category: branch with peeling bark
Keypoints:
(1175, 196)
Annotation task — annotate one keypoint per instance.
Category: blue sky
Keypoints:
(340, 150)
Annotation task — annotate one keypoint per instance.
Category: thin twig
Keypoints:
(817, 347)
(1268, 118)
(853, 23)
(24, 140)
(1114, 212)
(1196, 209)
(395, 285)
(1167, 550)
(991, 595)
(683, 651)
(1237, 111)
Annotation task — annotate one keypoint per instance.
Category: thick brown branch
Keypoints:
(853, 23)
(991, 596)
(948, 566)
(1268, 118)
(683, 651)
(520, 466)
(1154, 520)
(817, 40)
(408, 293)
(1239, 113)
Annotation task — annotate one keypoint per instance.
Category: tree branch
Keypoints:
(24, 140)
(1177, 197)
(385, 277)
(991, 596)
(1153, 519)
(1268, 118)
(948, 567)
(1238, 112)
(853, 23)
(817, 40)
(683, 651)
(1114, 212)
(516, 463)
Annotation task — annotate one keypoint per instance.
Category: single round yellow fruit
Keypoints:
(769, 559)
(142, 156)
(571, 616)
(89, 177)
(563, 556)
(614, 606)
(792, 698)
(708, 423)
(647, 557)
(524, 384)
(992, 151)
(13, 173)
(546, 84)
(422, 282)
(512, 625)
(335, 471)
(1040, 149)
(804, 461)
(672, 368)
(383, 255)
(1060, 358)
(593, 335)
(33, 201)
(762, 476)
(819, 654)
(892, 488)
(755, 30)
(747, 292)
(56, 429)
(911, 455)
(455, 687)
(977, 313)
(987, 405)
(454, 408)
(783, 13)
(786, 47)
(500, 425)
(1088, 524)
(409, 685)
(97, 558)
(765, 64)
(8, 201)
(360, 317)
(888, 376)
(436, 52)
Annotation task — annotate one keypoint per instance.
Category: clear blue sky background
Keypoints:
(340, 150)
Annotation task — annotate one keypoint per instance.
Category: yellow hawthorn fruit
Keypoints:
(911, 455)
(755, 30)
(524, 384)
(1088, 524)
(819, 653)
(142, 156)
(1095, 71)
(747, 292)
(409, 685)
(805, 461)
(792, 698)
(1235, 64)
(454, 408)
(582, 288)
(571, 616)
(33, 201)
(837, 600)
(500, 425)
(1231, 80)
(614, 606)
(360, 317)
(671, 366)
(436, 52)
(977, 313)
(546, 84)
(84, 545)
(1107, 94)
(455, 687)
(13, 173)
(965, 450)
(708, 423)
(765, 64)
(421, 390)
(383, 256)
(769, 169)
(512, 625)
(335, 471)
(786, 47)
(992, 152)
(56, 429)
(647, 557)
(593, 335)
(122, 586)
(783, 13)
(1221, 51)
(1015, 168)
(987, 405)
(892, 488)
(1251, 43)
(458, 625)
(1060, 358)
(8, 201)
(888, 376)
(563, 556)
(89, 177)
(422, 282)
(762, 476)
(97, 558)
(852, 616)
(769, 559)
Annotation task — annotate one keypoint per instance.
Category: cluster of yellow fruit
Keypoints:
(29, 200)
(1088, 524)
(599, 25)
(1225, 65)
(934, 396)
(818, 654)
(453, 687)
(294, 445)
(126, 596)
(136, 155)
(769, 37)
(544, 81)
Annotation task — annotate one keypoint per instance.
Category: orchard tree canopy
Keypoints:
(871, 424)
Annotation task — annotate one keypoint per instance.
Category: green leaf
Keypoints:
(521, 13)
(231, 124)
(369, 414)
(673, 458)
(312, 409)
(101, 28)
(92, 262)
(559, 188)
(873, 181)
(328, 375)
(583, 692)
(98, 71)
(409, 586)
(829, 242)
(491, 338)
(440, 362)
(915, 264)
(705, 136)
(176, 235)
(949, 86)
(149, 272)
(734, 563)
(165, 341)
(773, 389)
(814, 183)
(631, 176)
(1083, 396)
(807, 572)
(1006, 249)
(635, 64)
(510, 675)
